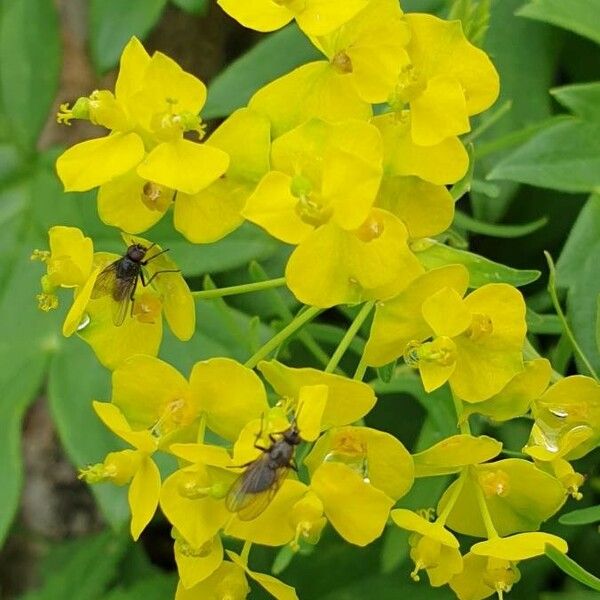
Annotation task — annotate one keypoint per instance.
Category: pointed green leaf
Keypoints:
(571, 568)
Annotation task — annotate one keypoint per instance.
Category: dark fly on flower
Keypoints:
(254, 489)
(120, 278)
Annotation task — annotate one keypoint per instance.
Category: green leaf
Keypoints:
(543, 324)
(584, 234)
(583, 99)
(582, 307)
(563, 157)
(580, 16)
(29, 65)
(497, 230)
(275, 55)
(81, 569)
(386, 373)
(194, 7)
(157, 586)
(525, 53)
(84, 437)
(571, 568)
(583, 516)
(598, 323)
(481, 270)
(113, 22)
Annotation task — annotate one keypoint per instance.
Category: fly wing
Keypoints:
(254, 489)
(122, 299)
(105, 282)
(119, 289)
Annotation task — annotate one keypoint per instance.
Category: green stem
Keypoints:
(563, 319)
(299, 321)
(239, 289)
(458, 407)
(245, 554)
(485, 511)
(460, 482)
(349, 336)
(361, 369)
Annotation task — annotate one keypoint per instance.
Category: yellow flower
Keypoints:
(565, 473)
(314, 17)
(369, 50)
(196, 564)
(445, 81)
(348, 400)
(358, 473)
(133, 467)
(145, 156)
(321, 173)
(567, 420)
(399, 321)
(229, 581)
(518, 496)
(152, 394)
(433, 547)
(476, 343)
(334, 266)
(490, 567)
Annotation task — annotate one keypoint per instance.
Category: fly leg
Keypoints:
(145, 262)
(132, 295)
(159, 273)
(259, 435)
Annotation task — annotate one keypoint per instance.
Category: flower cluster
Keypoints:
(348, 160)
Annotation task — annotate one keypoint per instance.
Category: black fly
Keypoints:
(254, 489)
(120, 278)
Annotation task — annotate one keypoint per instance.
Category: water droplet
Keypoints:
(85, 321)
(561, 413)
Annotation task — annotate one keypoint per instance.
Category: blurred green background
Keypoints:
(542, 150)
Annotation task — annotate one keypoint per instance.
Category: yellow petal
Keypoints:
(515, 398)
(228, 580)
(94, 162)
(273, 207)
(196, 564)
(424, 208)
(520, 546)
(77, 312)
(148, 390)
(311, 405)
(246, 136)
(197, 520)
(143, 496)
(112, 344)
(183, 165)
(205, 454)
(487, 362)
(439, 112)
(442, 163)
(399, 321)
(357, 510)
(132, 66)
(166, 88)
(439, 47)
(114, 419)
(314, 90)
(434, 373)
(230, 394)
(71, 255)
(320, 17)
(453, 453)
(407, 519)
(212, 213)
(276, 588)
(131, 203)
(288, 382)
(261, 15)
(333, 266)
(446, 313)
(273, 527)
